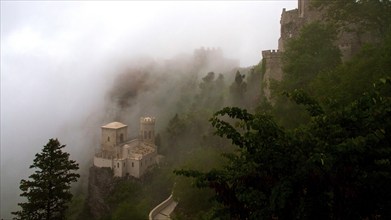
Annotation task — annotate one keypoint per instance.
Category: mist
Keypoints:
(69, 67)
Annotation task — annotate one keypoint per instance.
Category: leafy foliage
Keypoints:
(308, 55)
(48, 191)
(238, 89)
(348, 81)
(126, 201)
(369, 15)
(336, 167)
(195, 203)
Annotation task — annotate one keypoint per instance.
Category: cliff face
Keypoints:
(100, 185)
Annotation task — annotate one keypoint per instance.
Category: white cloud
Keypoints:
(58, 58)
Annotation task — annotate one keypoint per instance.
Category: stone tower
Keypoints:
(147, 129)
(113, 134)
(302, 8)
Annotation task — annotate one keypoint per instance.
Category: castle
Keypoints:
(127, 157)
(292, 21)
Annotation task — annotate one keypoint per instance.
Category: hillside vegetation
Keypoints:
(320, 150)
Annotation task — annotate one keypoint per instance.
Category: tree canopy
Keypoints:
(368, 15)
(309, 54)
(337, 166)
(48, 189)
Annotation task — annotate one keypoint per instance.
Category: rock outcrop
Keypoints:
(100, 185)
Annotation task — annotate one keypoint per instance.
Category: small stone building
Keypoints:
(127, 157)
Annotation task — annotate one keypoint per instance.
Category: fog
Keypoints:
(60, 61)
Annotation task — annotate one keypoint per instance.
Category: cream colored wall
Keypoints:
(147, 128)
(108, 144)
(123, 131)
(115, 137)
(133, 170)
(122, 166)
(119, 167)
(101, 162)
(147, 161)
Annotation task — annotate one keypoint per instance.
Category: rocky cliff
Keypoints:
(100, 185)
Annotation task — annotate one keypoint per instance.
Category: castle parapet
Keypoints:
(269, 54)
(289, 16)
(147, 120)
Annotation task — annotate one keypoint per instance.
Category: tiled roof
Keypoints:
(114, 125)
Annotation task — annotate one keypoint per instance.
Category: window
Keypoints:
(141, 164)
(121, 137)
(149, 134)
(118, 165)
(108, 139)
(132, 164)
(124, 163)
(145, 134)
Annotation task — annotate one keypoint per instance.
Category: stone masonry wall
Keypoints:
(292, 22)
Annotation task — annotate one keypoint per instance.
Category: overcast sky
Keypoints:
(57, 61)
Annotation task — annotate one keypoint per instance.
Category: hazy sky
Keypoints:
(58, 60)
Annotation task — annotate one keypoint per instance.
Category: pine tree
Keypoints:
(48, 190)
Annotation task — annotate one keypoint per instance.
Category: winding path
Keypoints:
(163, 210)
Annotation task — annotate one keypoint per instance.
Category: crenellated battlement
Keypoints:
(270, 54)
(208, 52)
(289, 16)
(292, 22)
(147, 120)
(147, 129)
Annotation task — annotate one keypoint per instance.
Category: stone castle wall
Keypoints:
(292, 21)
(103, 162)
(273, 71)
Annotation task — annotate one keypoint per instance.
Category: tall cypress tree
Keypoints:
(48, 190)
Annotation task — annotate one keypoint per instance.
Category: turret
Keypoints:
(113, 134)
(147, 129)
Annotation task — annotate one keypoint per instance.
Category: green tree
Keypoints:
(254, 86)
(359, 15)
(238, 89)
(195, 202)
(210, 97)
(128, 201)
(176, 127)
(337, 166)
(349, 80)
(48, 191)
(308, 55)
